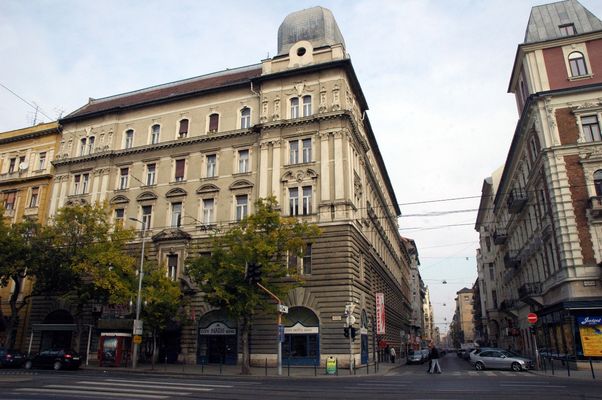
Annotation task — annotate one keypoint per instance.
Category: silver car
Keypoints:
(500, 359)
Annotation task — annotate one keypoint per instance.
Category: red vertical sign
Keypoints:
(380, 314)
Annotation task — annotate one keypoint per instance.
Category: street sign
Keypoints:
(532, 318)
(282, 309)
(281, 333)
(137, 339)
(137, 327)
(380, 313)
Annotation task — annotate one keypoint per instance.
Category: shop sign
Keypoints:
(380, 314)
(218, 329)
(298, 328)
(591, 339)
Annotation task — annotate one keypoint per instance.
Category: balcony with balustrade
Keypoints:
(517, 199)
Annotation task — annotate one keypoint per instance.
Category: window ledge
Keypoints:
(121, 190)
(580, 77)
(177, 182)
(242, 173)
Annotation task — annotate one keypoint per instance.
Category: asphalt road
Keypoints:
(458, 381)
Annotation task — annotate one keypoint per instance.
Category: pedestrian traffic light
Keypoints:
(253, 273)
(353, 333)
(346, 332)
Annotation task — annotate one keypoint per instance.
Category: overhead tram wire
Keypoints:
(37, 108)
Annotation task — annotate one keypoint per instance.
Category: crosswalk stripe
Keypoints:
(108, 389)
(489, 373)
(170, 383)
(89, 393)
(154, 385)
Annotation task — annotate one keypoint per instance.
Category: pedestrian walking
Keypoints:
(392, 354)
(435, 367)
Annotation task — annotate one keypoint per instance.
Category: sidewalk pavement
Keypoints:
(559, 369)
(294, 371)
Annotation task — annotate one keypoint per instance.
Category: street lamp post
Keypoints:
(137, 322)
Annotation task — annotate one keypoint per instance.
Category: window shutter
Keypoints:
(213, 122)
(180, 168)
(183, 127)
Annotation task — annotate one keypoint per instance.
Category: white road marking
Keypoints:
(170, 383)
(108, 389)
(531, 385)
(158, 385)
(89, 393)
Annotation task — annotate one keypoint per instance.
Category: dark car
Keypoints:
(11, 358)
(55, 359)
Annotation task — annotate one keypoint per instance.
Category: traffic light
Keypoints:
(253, 274)
(532, 330)
(346, 332)
(353, 333)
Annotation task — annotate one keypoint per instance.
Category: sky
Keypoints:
(435, 75)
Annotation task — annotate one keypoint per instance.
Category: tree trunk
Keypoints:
(245, 323)
(13, 321)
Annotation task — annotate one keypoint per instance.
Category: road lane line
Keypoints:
(531, 385)
(146, 385)
(108, 389)
(171, 383)
(88, 393)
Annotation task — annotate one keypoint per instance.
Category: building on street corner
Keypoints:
(190, 158)
(540, 219)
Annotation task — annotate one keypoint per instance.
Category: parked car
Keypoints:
(416, 356)
(11, 358)
(500, 359)
(464, 353)
(55, 359)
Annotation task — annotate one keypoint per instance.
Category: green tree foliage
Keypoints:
(265, 238)
(163, 302)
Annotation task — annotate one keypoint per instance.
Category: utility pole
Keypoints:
(282, 309)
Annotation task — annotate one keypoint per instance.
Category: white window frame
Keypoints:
(245, 118)
(241, 209)
(176, 215)
(244, 163)
(128, 142)
(208, 211)
(172, 270)
(123, 179)
(85, 183)
(306, 102)
(294, 107)
(293, 201)
(211, 168)
(151, 175)
(155, 134)
(34, 198)
(91, 142)
(83, 146)
(42, 160)
(587, 135)
(146, 219)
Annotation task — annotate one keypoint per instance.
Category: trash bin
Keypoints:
(331, 366)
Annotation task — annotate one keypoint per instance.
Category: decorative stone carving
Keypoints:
(323, 107)
(336, 101)
(276, 114)
(264, 111)
(299, 88)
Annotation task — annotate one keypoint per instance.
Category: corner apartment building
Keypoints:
(540, 235)
(190, 157)
(25, 187)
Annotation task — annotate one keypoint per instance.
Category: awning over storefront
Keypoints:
(54, 327)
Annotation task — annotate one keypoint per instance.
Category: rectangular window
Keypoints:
(306, 150)
(292, 263)
(123, 178)
(33, 201)
(567, 30)
(179, 175)
(172, 266)
(42, 161)
(307, 200)
(183, 131)
(176, 215)
(494, 298)
(147, 212)
(76, 180)
(213, 122)
(119, 216)
(241, 207)
(129, 139)
(155, 130)
(82, 147)
(245, 118)
(208, 218)
(295, 107)
(491, 272)
(9, 201)
(591, 128)
(306, 106)
(151, 173)
(243, 161)
(211, 165)
(11, 166)
(293, 201)
(85, 182)
(307, 260)
(91, 145)
(293, 152)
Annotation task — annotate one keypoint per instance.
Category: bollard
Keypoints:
(165, 364)
(568, 367)
(266, 367)
(368, 368)
(315, 368)
(289, 366)
(552, 363)
(337, 364)
(221, 364)
(592, 368)
(202, 367)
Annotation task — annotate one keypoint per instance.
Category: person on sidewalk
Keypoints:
(435, 361)
(392, 354)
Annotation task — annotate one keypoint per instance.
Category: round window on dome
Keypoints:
(301, 51)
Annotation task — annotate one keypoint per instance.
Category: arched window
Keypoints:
(598, 182)
(183, 131)
(129, 139)
(295, 107)
(306, 106)
(577, 64)
(155, 130)
(245, 118)
(213, 122)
